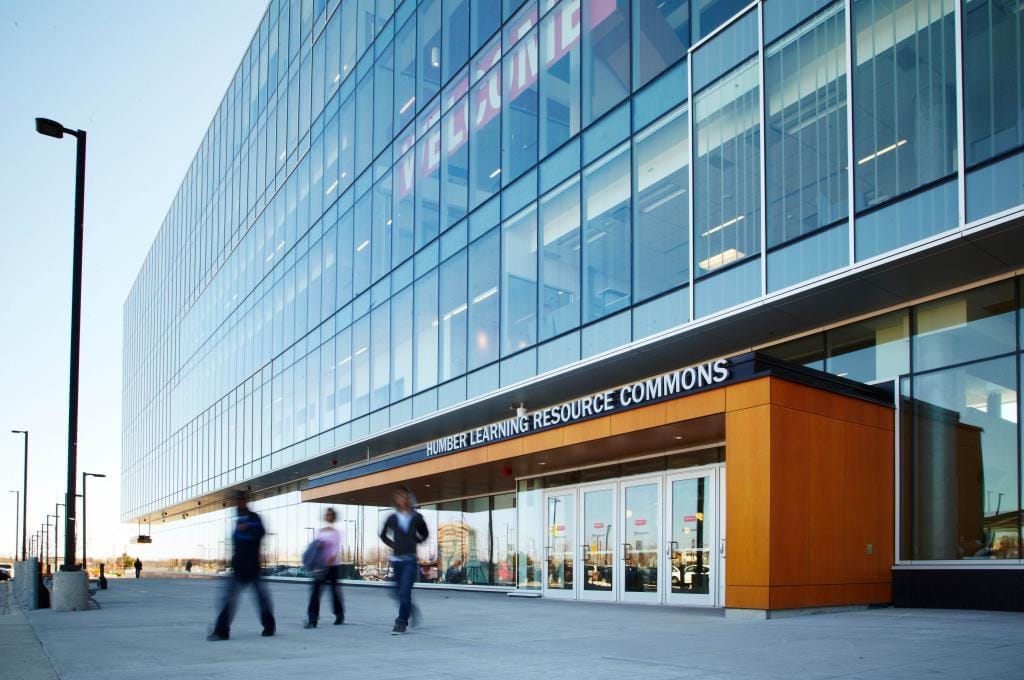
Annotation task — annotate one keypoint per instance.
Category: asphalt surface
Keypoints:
(156, 628)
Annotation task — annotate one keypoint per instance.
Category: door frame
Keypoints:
(656, 597)
(713, 543)
(568, 593)
(613, 542)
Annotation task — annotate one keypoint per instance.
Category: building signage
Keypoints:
(629, 396)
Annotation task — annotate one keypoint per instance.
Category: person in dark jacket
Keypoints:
(138, 568)
(245, 568)
(403, 530)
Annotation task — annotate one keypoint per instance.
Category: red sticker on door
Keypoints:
(599, 525)
(690, 518)
(640, 522)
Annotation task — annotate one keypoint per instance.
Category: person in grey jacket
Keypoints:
(403, 530)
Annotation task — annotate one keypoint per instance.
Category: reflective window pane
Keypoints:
(560, 260)
(454, 314)
(560, 80)
(519, 282)
(661, 34)
(484, 272)
(606, 235)
(978, 323)
(606, 56)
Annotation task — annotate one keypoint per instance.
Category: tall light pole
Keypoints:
(17, 507)
(46, 536)
(85, 475)
(56, 524)
(52, 128)
(24, 496)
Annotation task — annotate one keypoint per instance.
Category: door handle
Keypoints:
(586, 551)
(625, 551)
(670, 548)
(721, 548)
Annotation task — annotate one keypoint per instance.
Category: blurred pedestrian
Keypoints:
(245, 570)
(403, 530)
(188, 566)
(329, 540)
(138, 568)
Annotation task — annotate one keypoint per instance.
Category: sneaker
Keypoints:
(216, 637)
(400, 627)
(338, 620)
(269, 632)
(310, 624)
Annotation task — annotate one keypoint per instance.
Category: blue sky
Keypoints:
(144, 79)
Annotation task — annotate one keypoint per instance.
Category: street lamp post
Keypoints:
(56, 524)
(46, 536)
(17, 508)
(85, 564)
(52, 128)
(24, 495)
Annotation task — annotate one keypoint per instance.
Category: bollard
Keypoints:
(103, 579)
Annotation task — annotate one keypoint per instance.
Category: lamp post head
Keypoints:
(93, 474)
(50, 128)
(19, 431)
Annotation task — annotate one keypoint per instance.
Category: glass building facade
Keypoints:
(403, 207)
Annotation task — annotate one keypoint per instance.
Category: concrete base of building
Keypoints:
(765, 614)
(70, 591)
(932, 588)
(26, 583)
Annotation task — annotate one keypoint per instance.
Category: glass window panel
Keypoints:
(871, 350)
(961, 465)
(361, 261)
(606, 56)
(401, 344)
(993, 49)
(725, 50)
(710, 14)
(383, 92)
(807, 351)
(560, 260)
(520, 100)
(428, 63)
(519, 282)
(728, 288)
(727, 203)
(907, 221)
(454, 314)
(346, 144)
(904, 56)
(428, 184)
(343, 375)
(484, 272)
(972, 325)
(606, 235)
(380, 378)
(346, 255)
(403, 192)
(456, 36)
(782, 15)
(560, 81)
(380, 260)
(361, 367)
(485, 19)
(809, 257)
(455, 157)
(426, 331)
(485, 138)
(805, 144)
(661, 34)
(405, 74)
(995, 187)
(364, 122)
(661, 219)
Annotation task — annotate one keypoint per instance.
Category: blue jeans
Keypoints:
(405, 576)
(229, 601)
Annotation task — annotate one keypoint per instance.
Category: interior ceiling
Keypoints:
(500, 476)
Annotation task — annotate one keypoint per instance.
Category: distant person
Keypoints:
(403, 530)
(138, 568)
(455, 572)
(245, 570)
(329, 540)
(188, 566)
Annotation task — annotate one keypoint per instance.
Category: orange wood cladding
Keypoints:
(809, 486)
(809, 507)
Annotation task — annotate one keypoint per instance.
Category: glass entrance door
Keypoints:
(692, 540)
(640, 551)
(598, 538)
(560, 548)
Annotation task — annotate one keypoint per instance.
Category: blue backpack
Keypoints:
(313, 557)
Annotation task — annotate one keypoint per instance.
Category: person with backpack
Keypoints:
(321, 559)
(245, 570)
(403, 530)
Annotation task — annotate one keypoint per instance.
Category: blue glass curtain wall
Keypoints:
(402, 204)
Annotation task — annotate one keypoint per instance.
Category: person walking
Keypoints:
(138, 568)
(403, 530)
(329, 540)
(245, 570)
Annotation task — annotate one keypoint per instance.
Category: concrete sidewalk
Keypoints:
(21, 655)
(155, 628)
